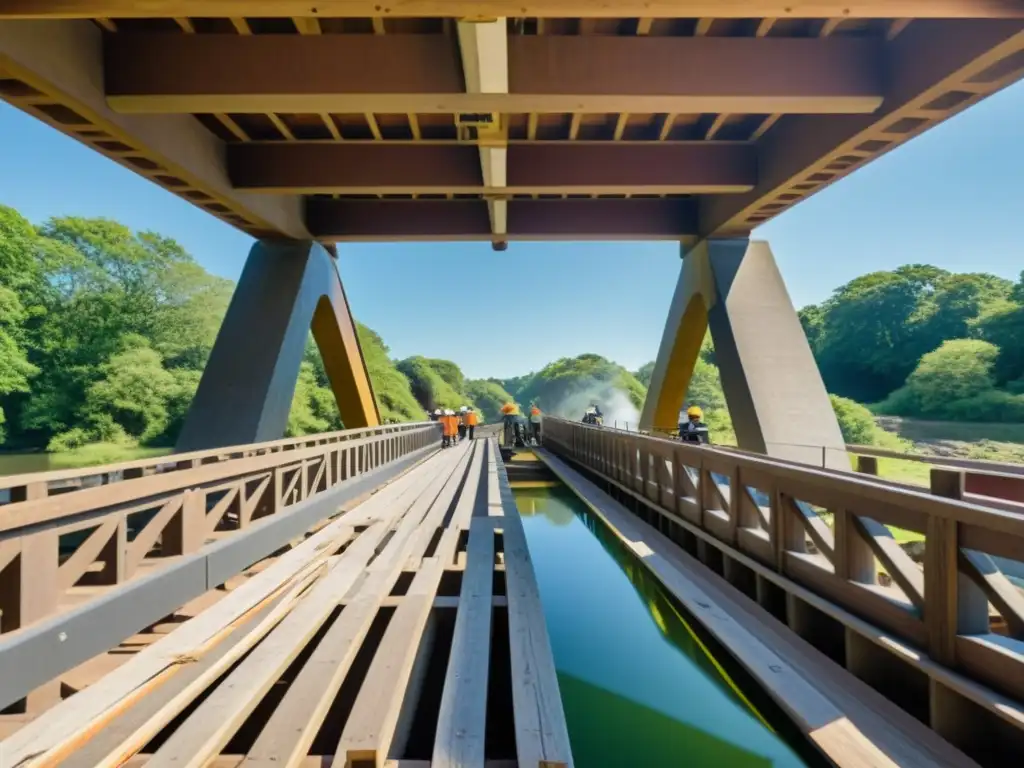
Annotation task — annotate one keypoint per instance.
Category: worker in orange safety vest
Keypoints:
(471, 420)
(450, 427)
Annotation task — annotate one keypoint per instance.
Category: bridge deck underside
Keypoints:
(346, 124)
(406, 628)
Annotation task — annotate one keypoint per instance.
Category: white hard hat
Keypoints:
(437, 412)
(451, 412)
(463, 408)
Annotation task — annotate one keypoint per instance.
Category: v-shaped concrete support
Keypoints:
(772, 385)
(286, 289)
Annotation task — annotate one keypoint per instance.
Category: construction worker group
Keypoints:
(456, 426)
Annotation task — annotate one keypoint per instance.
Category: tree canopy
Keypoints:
(874, 334)
(104, 333)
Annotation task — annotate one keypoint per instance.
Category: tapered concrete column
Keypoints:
(772, 385)
(286, 289)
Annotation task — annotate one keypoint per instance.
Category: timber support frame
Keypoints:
(772, 385)
(286, 289)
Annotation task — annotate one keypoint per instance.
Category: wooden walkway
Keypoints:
(405, 632)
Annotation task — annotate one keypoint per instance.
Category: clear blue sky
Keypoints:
(953, 197)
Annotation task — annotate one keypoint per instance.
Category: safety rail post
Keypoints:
(954, 604)
(867, 465)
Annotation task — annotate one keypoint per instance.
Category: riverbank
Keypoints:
(92, 455)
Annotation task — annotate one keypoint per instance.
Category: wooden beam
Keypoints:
(331, 126)
(716, 126)
(897, 26)
(928, 82)
(153, 73)
(307, 25)
(539, 167)
(484, 53)
(573, 219)
(64, 59)
(620, 126)
(473, 9)
(574, 125)
(282, 127)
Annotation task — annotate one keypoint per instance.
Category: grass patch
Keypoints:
(957, 431)
(901, 536)
(96, 454)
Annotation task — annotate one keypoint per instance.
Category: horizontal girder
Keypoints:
(594, 219)
(533, 168)
(552, 73)
(640, 127)
(742, 9)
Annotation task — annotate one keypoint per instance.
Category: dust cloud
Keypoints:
(613, 402)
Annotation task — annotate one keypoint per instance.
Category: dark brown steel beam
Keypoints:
(937, 68)
(533, 168)
(422, 74)
(593, 219)
(691, 9)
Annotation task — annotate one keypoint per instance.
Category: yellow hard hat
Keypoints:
(694, 410)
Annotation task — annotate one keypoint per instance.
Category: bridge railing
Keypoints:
(104, 526)
(991, 479)
(36, 485)
(929, 570)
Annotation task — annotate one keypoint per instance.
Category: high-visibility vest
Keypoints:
(471, 420)
(450, 425)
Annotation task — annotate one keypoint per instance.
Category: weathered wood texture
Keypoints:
(825, 539)
(104, 526)
(336, 649)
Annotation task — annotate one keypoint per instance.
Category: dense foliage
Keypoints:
(566, 386)
(104, 333)
(927, 342)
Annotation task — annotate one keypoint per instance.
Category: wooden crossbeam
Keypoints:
(151, 73)
(688, 9)
(572, 219)
(928, 82)
(572, 168)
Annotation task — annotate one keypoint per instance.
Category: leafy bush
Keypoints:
(488, 397)
(855, 421)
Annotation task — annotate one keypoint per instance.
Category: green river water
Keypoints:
(638, 687)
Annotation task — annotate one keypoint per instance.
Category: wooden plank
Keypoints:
(286, 737)
(901, 568)
(211, 726)
(72, 569)
(541, 734)
(371, 725)
(65, 724)
(462, 720)
(131, 731)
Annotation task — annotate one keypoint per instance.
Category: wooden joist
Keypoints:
(355, 607)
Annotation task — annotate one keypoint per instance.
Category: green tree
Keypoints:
(392, 389)
(855, 421)
(15, 369)
(303, 418)
(488, 397)
(958, 370)
(644, 372)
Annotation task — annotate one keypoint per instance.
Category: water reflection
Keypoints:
(639, 688)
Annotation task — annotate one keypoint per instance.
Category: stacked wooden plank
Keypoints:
(372, 641)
